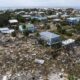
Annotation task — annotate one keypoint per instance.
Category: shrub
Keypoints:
(62, 31)
(37, 34)
(55, 54)
(20, 18)
(13, 34)
(26, 32)
(42, 42)
(68, 33)
(47, 26)
(64, 23)
(71, 77)
(78, 40)
(24, 26)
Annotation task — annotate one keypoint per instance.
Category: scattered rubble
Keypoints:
(19, 56)
(58, 76)
(5, 78)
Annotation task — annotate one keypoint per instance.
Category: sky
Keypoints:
(37, 3)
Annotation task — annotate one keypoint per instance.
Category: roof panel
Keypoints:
(49, 34)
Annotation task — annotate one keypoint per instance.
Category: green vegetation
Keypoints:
(4, 18)
(78, 40)
(72, 77)
(33, 21)
(60, 29)
(37, 34)
(42, 42)
(63, 23)
(47, 26)
(63, 31)
(25, 30)
(68, 33)
(26, 33)
(13, 34)
(24, 26)
(20, 18)
(77, 27)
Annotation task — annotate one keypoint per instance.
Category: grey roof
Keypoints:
(49, 34)
(6, 30)
(39, 17)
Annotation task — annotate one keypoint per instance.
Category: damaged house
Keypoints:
(49, 37)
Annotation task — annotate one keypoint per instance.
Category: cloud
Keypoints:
(14, 3)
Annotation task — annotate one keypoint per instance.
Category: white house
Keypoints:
(13, 23)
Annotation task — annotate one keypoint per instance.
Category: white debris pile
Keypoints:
(25, 75)
(67, 42)
(5, 78)
(58, 76)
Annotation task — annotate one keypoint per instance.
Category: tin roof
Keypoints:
(29, 25)
(39, 17)
(49, 34)
(71, 18)
(56, 19)
(6, 30)
(25, 16)
(52, 16)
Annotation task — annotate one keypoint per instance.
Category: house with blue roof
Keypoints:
(49, 37)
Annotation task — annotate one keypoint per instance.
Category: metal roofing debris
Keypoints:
(56, 19)
(40, 61)
(67, 42)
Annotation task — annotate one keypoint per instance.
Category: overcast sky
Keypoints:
(48, 3)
